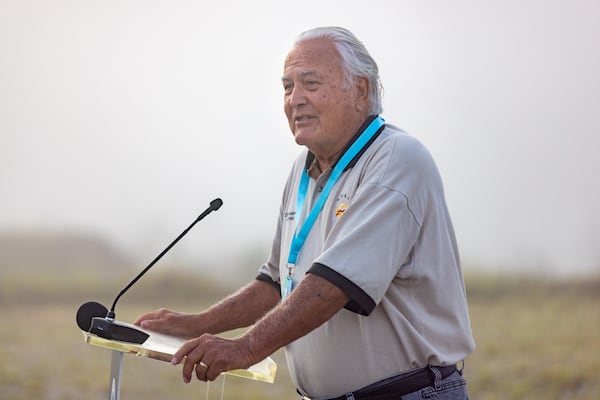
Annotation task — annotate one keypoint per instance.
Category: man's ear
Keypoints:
(361, 91)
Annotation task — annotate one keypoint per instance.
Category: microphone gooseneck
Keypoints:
(214, 206)
(96, 319)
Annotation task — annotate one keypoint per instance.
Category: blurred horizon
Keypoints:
(77, 254)
(124, 119)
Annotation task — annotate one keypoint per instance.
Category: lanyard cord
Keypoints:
(301, 235)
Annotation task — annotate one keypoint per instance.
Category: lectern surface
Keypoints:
(162, 347)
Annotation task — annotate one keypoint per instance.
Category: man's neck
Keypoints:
(325, 163)
(325, 160)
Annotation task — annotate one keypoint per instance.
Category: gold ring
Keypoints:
(203, 364)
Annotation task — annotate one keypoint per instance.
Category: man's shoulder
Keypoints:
(402, 161)
(393, 132)
(403, 146)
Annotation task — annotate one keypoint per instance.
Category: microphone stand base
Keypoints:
(114, 330)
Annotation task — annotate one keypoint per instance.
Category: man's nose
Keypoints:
(297, 96)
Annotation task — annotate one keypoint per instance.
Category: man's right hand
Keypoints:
(170, 323)
(238, 310)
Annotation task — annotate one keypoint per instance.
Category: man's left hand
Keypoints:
(211, 355)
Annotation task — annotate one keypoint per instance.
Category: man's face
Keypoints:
(323, 113)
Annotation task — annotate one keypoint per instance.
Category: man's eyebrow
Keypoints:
(303, 74)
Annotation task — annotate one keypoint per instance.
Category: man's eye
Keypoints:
(312, 84)
(288, 88)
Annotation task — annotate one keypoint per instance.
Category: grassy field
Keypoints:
(535, 340)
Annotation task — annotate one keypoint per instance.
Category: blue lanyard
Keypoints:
(301, 235)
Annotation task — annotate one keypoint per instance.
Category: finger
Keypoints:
(212, 374)
(184, 351)
(144, 317)
(152, 315)
(202, 371)
(157, 325)
(188, 366)
(193, 354)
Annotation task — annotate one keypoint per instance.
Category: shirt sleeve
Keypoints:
(269, 271)
(373, 241)
(360, 302)
(366, 251)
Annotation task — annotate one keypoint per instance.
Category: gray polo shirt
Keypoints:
(384, 236)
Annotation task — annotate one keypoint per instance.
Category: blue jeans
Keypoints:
(453, 387)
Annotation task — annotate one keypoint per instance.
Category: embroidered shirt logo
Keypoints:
(289, 215)
(340, 209)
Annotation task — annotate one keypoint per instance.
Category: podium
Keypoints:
(162, 347)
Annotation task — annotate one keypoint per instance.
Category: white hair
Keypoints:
(356, 60)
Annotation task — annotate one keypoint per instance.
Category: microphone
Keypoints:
(87, 312)
(93, 317)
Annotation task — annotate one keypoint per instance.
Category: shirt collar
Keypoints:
(311, 165)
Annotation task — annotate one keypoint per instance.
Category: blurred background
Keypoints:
(121, 120)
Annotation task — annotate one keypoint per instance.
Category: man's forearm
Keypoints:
(311, 304)
(241, 309)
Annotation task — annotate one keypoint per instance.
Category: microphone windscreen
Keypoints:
(87, 311)
(216, 204)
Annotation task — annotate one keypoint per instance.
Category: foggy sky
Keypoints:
(127, 118)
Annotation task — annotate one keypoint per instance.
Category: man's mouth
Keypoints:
(302, 118)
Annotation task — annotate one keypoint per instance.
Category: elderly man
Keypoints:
(363, 285)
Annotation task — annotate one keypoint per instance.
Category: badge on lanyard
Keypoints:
(288, 286)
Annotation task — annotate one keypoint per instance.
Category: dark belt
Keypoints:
(398, 385)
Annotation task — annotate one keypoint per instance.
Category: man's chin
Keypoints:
(302, 136)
